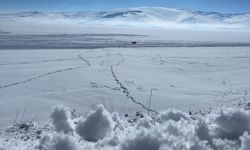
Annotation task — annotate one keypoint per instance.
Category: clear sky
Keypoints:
(228, 6)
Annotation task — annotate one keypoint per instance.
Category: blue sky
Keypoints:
(228, 6)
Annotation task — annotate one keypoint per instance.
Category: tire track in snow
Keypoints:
(126, 91)
(40, 76)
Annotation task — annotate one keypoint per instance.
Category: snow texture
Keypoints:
(61, 119)
(57, 142)
(143, 16)
(231, 124)
(224, 129)
(172, 115)
(245, 140)
(96, 126)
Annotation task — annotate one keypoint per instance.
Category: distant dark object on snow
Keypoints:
(134, 42)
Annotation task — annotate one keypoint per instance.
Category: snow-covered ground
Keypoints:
(222, 129)
(153, 17)
(32, 81)
(196, 62)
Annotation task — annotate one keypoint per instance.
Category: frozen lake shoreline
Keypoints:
(95, 41)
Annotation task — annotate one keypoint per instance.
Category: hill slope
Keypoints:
(154, 17)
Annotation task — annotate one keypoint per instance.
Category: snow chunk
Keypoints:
(175, 115)
(117, 121)
(143, 140)
(227, 129)
(61, 119)
(171, 135)
(231, 124)
(145, 122)
(57, 142)
(245, 141)
(96, 126)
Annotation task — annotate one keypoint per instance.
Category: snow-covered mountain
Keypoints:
(156, 17)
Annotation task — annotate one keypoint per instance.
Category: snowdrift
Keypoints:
(99, 129)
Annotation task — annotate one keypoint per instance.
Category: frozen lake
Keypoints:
(32, 81)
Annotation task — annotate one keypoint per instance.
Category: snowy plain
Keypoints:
(71, 61)
(181, 77)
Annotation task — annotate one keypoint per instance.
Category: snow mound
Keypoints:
(146, 122)
(61, 119)
(245, 140)
(57, 142)
(96, 126)
(172, 115)
(226, 129)
(169, 135)
(231, 124)
(143, 140)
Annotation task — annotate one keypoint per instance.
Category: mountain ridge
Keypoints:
(145, 16)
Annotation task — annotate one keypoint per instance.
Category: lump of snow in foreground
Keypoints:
(231, 124)
(57, 142)
(245, 140)
(227, 129)
(61, 119)
(96, 126)
(175, 115)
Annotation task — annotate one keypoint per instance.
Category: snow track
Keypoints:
(46, 74)
(41, 76)
(85, 60)
(39, 61)
(128, 95)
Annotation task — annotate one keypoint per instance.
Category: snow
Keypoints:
(245, 140)
(192, 134)
(142, 140)
(158, 23)
(97, 125)
(173, 115)
(231, 124)
(57, 142)
(61, 119)
(194, 64)
(187, 78)
(149, 17)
